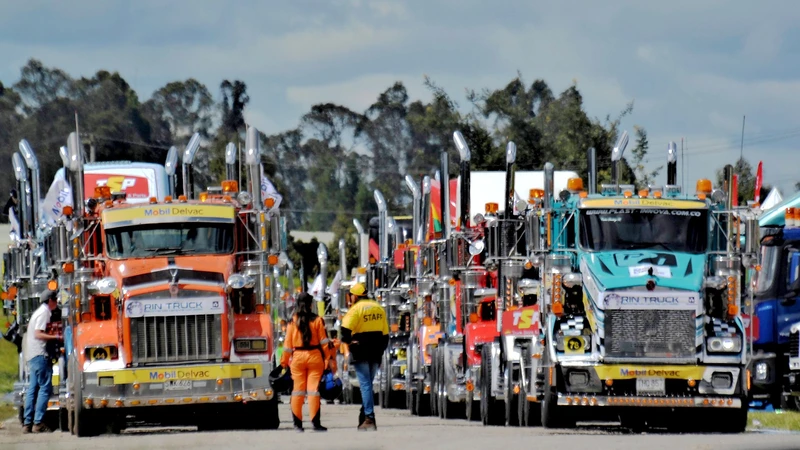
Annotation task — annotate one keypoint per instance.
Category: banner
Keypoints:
(58, 196)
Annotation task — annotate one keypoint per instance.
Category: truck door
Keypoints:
(789, 308)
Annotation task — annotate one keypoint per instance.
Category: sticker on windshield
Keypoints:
(644, 269)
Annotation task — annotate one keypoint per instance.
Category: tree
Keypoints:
(746, 183)
(40, 85)
(185, 106)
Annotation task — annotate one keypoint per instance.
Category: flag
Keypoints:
(759, 180)
(337, 281)
(12, 218)
(316, 288)
(58, 196)
(269, 191)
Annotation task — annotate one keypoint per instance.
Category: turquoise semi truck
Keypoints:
(642, 294)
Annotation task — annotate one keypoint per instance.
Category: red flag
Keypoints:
(759, 179)
(735, 190)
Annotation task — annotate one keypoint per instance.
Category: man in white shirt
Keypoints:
(40, 367)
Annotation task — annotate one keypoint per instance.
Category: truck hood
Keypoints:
(629, 269)
(134, 272)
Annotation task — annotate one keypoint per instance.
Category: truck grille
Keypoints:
(794, 344)
(650, 333)
(176, 338)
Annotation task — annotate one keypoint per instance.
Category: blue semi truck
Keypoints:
(777, 310)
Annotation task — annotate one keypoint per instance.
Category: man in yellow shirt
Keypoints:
(365, 329)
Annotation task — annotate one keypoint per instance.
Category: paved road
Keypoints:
(397, 430)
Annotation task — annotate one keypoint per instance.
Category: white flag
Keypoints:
(269, 191)
(316, 288)
(337, 280)
(12, 219)
(58, 196)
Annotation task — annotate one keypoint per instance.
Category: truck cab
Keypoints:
(777, 310)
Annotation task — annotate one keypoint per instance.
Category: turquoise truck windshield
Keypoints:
(674, 230)
(193, 238)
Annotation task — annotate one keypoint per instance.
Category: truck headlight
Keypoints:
(762, 370)
(730, 344)
(105, 286)
(239, 281)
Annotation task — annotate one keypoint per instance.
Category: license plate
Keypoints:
(178, 385)
(650, 386)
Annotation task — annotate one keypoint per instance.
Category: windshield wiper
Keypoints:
(165, 250)
(642, 245)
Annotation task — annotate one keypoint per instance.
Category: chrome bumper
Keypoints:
(663, 402)
(217, 383)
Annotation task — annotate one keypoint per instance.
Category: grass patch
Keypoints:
(785, 420)
(9, 372)
(7, 411)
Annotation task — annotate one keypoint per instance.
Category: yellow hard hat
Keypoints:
(358, 290)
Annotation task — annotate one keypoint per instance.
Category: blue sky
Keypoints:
(692, 68)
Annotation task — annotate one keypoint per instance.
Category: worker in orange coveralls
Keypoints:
(310, 350)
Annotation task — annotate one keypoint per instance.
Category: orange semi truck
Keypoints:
(170, 305)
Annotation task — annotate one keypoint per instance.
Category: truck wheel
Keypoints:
(423, 400)
(512, 399)
(529, 413)
(553, 415)
(491, 414)
(266, 414)
(63, 420)
(434, 395)
(86, 423)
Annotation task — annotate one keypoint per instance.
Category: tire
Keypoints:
(265, 414)
(434, 394)
(85, 422)
(512, 399)
(385, 393)
(472, 409)
(552, 415)
(491, 412)
(423, 402)
(63, 420)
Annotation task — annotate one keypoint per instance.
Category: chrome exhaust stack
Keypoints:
(464, 192)
(33, 165)
(616, 158)
(322, 258)
(729, 200)
(416, 206)
(75, 155)
(343, 259)
(230, 161)
(672, 164)
(21, 174)
(444, 198)
(188, 158)
(549, 185)
(363, 244)
(511, 166)
(383, 228)
(592, 171)
(170, 166)
(422, 231)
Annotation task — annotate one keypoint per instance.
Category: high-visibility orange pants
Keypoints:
(307, 367)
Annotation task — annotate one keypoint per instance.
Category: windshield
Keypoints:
(192, 238)
(675, 230)
(769, 268)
